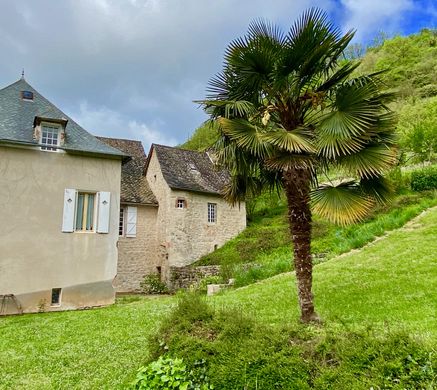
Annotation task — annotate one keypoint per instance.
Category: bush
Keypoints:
(237, 352)
(424, 179)
(167, 373)
(152, 284)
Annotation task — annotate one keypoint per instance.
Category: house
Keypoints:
(172, 211)
(59, 208)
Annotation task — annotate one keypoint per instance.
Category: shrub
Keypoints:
(152, 284)
(167, 373)
(244, 354)
(424, 179)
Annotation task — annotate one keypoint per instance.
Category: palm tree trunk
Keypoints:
(297, 188)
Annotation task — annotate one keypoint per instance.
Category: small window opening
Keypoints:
(121, 222)
(159, 271)
(215, 247)
(212, 212)
(27, 95)
(56, 296)
(181, 204)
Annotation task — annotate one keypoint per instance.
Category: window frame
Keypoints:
(121, 221)
(212, 213)
(183, 202)
(94, 214)
(50, 147)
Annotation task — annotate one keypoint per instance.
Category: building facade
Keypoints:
(59, 208)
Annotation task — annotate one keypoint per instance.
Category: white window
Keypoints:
(212, 212)
(131, 222)
(50, 136)
(121, 222)
(85, 211)
(181, 203)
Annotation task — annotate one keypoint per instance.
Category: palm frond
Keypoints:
(379, 188)
(342, 203)
(283, 162)
(245, 135)
(298, 140)
(371, 161)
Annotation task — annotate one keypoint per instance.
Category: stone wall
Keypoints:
(137, 256)
(184, 277)
(185, 234)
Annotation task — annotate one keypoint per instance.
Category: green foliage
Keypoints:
(167, 373)
(417, 128)
(424, 179)
(244, 353)
(410, 63)
(152, 284)
(202, 138)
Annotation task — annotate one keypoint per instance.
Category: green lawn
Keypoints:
(392, 283)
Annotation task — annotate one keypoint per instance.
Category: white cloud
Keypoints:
(371, 16)
(109, 123)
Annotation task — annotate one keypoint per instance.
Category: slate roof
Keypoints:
(134, 186)
(189, 170)
(17, 120)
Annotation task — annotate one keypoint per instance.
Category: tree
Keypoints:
(418, 128)
(289, 113)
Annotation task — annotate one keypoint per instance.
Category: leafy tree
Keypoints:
(289, 112)
(202, 138)
(418, 128)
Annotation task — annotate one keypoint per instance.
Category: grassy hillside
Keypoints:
(264, 248)
(391, 285)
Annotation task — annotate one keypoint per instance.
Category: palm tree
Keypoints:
(290, 114)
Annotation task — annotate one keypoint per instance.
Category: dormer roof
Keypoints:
(18, 116)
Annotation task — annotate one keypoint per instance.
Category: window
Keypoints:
(85, 211)
(121, 222)
(181, 204)
(56, 296)
(49, 136)
(27, 95)
(212, 212)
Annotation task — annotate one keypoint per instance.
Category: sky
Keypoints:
(132, 68)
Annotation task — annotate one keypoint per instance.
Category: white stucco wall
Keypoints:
(35, 255)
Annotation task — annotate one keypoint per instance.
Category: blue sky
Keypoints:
(132, 68)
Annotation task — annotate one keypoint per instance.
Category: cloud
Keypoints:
(371, 16)
(106, 122)
(143, 62)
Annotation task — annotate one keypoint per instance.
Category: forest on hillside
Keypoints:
(409, 66)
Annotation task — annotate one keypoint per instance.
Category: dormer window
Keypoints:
(50, 136)
(27, 95)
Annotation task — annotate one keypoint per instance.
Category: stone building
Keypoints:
(176, 214)
(59, 208)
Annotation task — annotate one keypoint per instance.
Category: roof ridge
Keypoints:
(119, 139)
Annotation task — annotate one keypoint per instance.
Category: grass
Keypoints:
(266, 243)
(389, 284)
